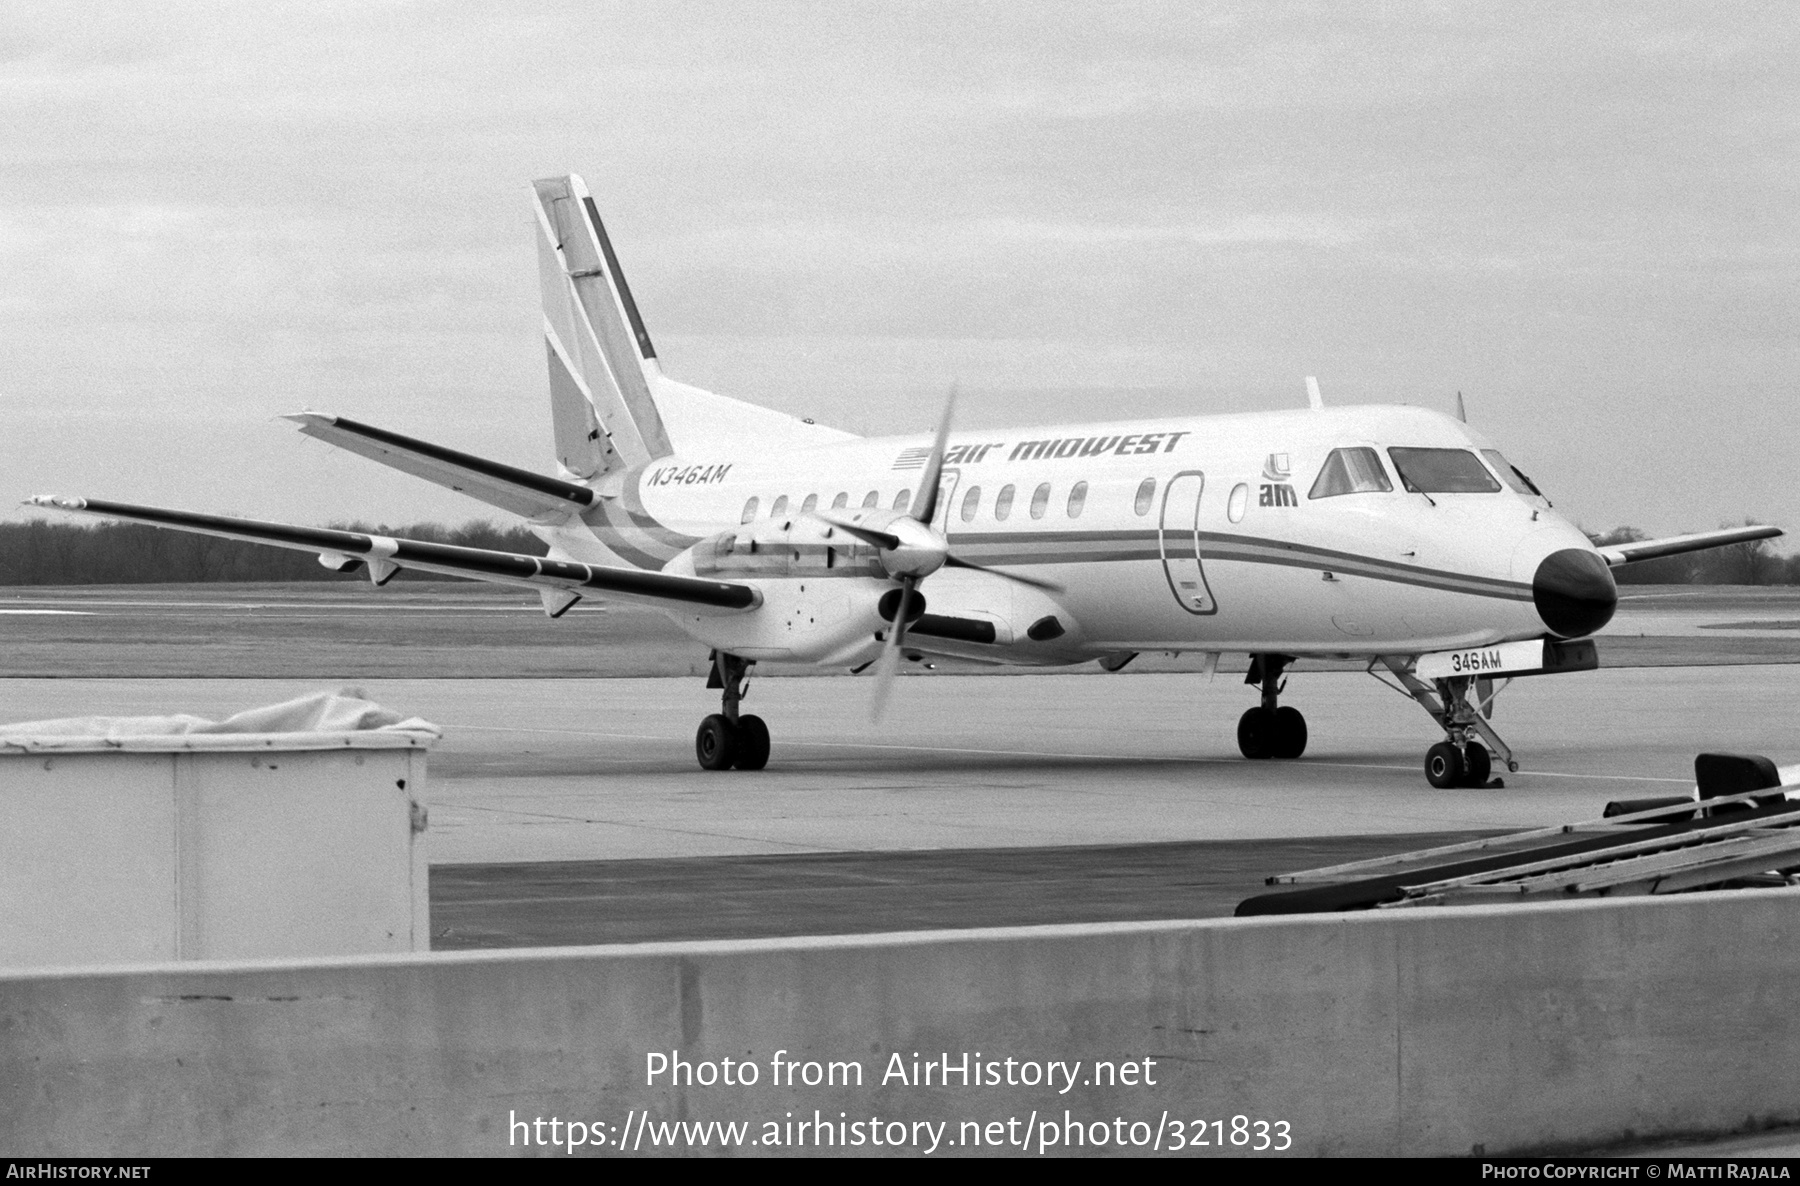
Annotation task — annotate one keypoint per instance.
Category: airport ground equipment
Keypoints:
(1741, 831)
(120, 845)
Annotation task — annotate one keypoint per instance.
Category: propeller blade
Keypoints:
(1034, 582)
(880, 539)
(925, 506)
(888, 666)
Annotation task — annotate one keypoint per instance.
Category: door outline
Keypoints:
(1183, 532)
(948, 480)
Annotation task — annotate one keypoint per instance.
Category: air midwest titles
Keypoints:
(946, 1070)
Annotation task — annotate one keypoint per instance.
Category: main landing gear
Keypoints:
(1462, 707)
(1268, 731)
(727, 739)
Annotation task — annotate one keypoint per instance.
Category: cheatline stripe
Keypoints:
(1269, 551)
(642, 519)
(629, 547)
(1083, 554)
(1029, 548)
(1034, 548)
(1422, 578)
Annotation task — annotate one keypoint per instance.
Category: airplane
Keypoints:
(1392, 535)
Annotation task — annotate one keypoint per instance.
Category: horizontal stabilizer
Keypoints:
(1675, 545)
(343, 550)
(520, 491)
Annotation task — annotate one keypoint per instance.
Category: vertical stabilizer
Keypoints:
(600, 357)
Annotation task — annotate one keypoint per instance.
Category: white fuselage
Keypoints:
(1193, 534)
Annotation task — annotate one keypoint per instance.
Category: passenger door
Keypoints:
(1180, 542)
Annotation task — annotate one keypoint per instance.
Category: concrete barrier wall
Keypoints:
(1399, 1032)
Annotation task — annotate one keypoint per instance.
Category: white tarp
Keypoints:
(345, 718)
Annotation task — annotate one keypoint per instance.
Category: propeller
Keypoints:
(911, 550)
(928, 552)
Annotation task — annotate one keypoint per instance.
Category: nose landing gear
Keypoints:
(727, 739)
(1268, 730)
(1461, 706)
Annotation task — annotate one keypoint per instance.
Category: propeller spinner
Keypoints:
(911, 549)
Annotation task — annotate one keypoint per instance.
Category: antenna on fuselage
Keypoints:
(1461, 412)
(1314, 400)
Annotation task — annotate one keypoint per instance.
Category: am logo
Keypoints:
(1277, 494)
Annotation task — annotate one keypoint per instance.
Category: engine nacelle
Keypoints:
(834, 620)
(829, 598)
(802, 546)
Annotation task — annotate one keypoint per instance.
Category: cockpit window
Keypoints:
(1511, 474)
(1351, 471)
(1442, 471)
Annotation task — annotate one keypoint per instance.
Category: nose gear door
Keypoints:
(1180, 543)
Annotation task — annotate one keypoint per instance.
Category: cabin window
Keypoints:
(1003, 502)
(1442, 471)
(1351, 471)
(902, 500)
(1077, 499)
(749, 510)
(971, 504)
(841, 501)
(779, 509)
(872, 499)
(1040, 499)
(812, 500)
(1511, 474)
(1239, 500)
(1146, 494)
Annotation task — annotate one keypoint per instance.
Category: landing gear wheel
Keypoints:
(1443, 765)
(1477, 765)
(1257, 732)
(716, 744)
(752, 743)
(1290, 733)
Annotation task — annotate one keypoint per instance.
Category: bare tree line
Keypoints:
(1753, 563)
(40, 552)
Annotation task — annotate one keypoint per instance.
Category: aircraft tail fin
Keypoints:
(602, 363)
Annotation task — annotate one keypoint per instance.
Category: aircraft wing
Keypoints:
(560, 581)
(520, 491)
(1674, 545)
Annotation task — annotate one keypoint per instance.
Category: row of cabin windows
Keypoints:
(971, 502)
(1351, 470)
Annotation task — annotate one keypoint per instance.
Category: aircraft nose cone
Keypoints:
(1574, 592)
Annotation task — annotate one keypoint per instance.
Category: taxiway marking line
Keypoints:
(1009, 753)
(624, 823)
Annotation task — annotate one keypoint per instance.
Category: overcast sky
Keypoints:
(1583, 217)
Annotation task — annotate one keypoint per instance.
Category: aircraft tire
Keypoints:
(1256, 733)
(752, 743)
(1443, 765)
(716, 743)
(1477, 765)
(1289, 740)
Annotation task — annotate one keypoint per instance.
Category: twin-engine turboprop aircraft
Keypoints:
(1389, 534)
